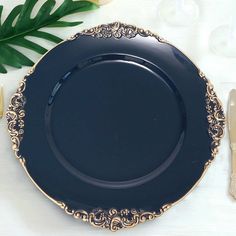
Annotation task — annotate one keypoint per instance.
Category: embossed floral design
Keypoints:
(15, 118)
(216, 117)
(113, 219)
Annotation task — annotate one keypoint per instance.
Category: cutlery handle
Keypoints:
(233, 174)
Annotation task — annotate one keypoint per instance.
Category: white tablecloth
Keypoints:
(209, 210)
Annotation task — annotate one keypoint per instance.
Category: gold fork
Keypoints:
(232, 136)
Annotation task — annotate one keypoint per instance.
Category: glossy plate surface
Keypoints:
(115, 119)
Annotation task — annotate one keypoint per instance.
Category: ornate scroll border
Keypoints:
(126, 218)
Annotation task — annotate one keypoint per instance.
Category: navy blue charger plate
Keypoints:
(115, 125)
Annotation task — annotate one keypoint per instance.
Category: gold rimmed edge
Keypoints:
(114, 219)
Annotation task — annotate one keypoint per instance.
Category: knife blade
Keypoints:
(232, 136)
(1, 101)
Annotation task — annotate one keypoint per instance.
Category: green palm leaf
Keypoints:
(19, 24)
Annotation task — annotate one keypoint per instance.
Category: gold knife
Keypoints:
(232, 136)
(1, 102)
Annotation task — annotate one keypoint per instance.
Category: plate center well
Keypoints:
(115, 121)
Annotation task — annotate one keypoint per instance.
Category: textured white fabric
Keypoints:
(209, 210)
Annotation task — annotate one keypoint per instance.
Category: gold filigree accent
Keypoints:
(216, 117)
(114, 219)
(15, 118)
(118, 30)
